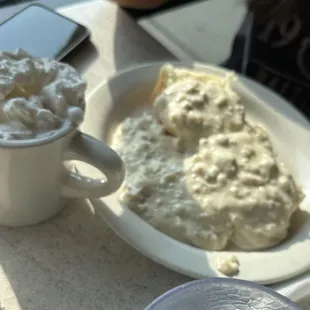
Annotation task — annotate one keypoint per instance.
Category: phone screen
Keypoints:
(41, 32)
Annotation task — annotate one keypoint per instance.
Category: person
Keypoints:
(271, 46)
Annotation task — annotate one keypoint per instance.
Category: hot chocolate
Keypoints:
(38, 97)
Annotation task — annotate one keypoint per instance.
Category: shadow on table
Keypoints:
(83, 57)
(75, 261)
(127, 33)
(143, 47)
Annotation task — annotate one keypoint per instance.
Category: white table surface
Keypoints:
(75, 261)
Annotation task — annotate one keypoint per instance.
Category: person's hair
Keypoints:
(278, 10)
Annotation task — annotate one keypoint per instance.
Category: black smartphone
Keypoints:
(42, 32)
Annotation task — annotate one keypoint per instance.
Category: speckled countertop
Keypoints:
(304, 304)
(75, 261)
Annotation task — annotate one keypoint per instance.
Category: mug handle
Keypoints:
(96, 153)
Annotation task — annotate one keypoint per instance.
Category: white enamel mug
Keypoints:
(34, 182)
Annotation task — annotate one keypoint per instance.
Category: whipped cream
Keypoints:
(38, 96)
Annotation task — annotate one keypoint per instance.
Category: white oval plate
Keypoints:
(121, 95)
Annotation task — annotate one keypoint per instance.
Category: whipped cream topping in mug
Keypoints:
(38, 96)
